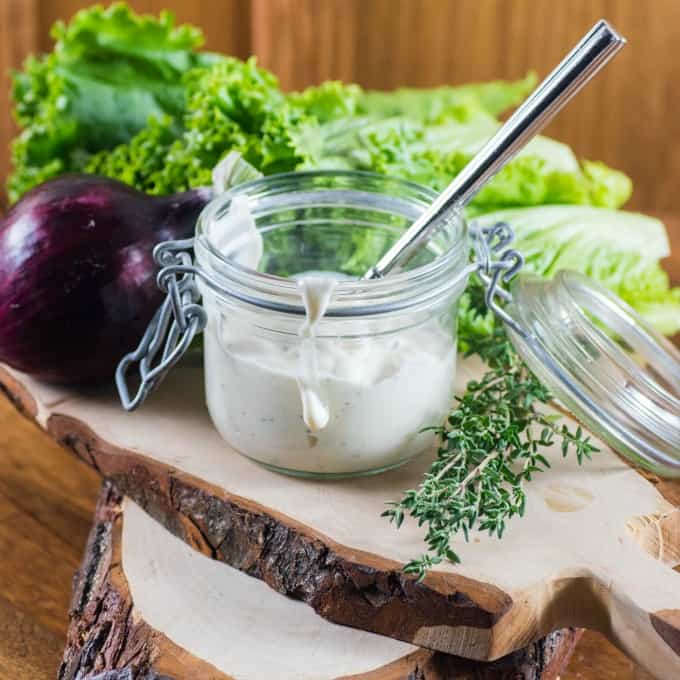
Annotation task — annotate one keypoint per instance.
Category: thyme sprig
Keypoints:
(491, 445)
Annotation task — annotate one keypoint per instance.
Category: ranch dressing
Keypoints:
(237, 237)
(317, 291)
(314, 401)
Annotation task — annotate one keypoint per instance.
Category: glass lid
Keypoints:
(604, 363)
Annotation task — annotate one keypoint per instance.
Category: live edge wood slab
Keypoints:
(596, 549)
(140, 591)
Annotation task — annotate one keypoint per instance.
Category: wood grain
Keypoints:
(28, 655)
(342, 584)
(27, 649)
(108, 632)
(46, 505)
(106, 635)
(596, 658)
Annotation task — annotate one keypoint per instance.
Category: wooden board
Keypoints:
(22, 661)
(106, 633)
(47, 502)
(146, 605)
(45, 485)
(326, 544)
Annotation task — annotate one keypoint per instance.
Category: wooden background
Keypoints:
(628, 117)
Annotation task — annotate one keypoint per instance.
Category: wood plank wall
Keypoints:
(18, 36)
(627, 117)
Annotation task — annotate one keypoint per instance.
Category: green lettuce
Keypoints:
(111, 72)
(619, 249)
(238, 106)
(132, 98)
(329, 101)
(545, 171)
(436, 104)
(230, 106)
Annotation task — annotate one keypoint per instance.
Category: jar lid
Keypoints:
(600, 359)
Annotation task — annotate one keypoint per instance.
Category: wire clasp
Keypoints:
(489, 243)
(176, 323)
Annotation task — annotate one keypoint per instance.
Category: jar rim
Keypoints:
(424, 284)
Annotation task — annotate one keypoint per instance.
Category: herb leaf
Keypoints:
(490, 447)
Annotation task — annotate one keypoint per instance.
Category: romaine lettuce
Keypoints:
(439, 103)
(545, 171)
(620, 249)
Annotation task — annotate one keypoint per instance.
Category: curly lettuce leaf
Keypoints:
(230, 106)
(621, 250)
(329, 101)
(110, 72)
(146, 42)
(141, 163)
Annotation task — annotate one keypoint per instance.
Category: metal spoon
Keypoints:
(594, 50)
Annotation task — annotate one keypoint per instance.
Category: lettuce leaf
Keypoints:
(130, 97)
(236, 105)
(545, 171)
(619, 249)
(110, 72)
(230, 106)
(439, 103)
(329, 101)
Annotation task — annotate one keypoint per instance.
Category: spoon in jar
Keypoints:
(591, 54)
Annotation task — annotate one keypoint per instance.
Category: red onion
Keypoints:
(77, 276)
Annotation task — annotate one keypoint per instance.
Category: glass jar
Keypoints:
(382, 361)
(385, 350)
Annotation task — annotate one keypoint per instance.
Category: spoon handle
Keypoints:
(594, 50)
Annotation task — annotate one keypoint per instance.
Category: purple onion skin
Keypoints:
(77, 276)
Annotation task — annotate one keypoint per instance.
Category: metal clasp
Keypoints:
(489, 242)
(178, 320)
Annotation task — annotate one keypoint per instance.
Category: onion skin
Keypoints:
(77, 276)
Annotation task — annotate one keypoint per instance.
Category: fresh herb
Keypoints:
(490, 447)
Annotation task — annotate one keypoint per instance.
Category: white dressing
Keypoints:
(316, 399)
(317, 291)
(378, 393)
(236, 236)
